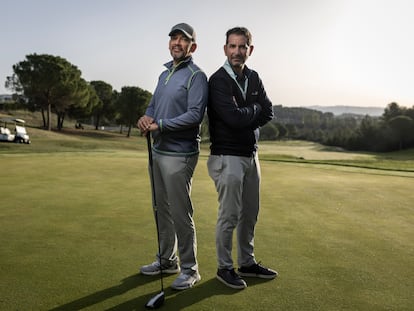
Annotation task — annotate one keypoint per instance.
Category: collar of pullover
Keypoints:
(170, 64)
(173, 68)
(241, 82)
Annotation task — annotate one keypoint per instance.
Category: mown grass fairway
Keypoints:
(76, 224)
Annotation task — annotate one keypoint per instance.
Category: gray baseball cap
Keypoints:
(186, 29)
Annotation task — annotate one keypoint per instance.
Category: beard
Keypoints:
(179, 55)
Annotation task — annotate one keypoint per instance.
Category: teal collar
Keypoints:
(233, 75)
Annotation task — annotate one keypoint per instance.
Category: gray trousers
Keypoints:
(237, 180)
(172, 186)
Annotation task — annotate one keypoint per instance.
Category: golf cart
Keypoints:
(20, 134)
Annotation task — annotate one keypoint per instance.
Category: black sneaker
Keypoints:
(231, 278)
(258, 271)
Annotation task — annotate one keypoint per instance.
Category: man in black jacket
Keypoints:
(237, 107)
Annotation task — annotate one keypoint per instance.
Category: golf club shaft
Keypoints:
(154, 203)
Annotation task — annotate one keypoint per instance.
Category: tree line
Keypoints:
(51, 84)
(394, 130)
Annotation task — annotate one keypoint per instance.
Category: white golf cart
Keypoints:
(20, 134)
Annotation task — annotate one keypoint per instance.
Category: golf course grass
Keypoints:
(76, 224)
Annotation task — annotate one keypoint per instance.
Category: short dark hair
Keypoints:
(242, 31)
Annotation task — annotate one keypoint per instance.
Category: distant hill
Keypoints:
(338, 110)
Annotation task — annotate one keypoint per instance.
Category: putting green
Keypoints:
(76, 224)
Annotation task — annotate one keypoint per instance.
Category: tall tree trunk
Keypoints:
(60, 119)
(43, 118)
(63, 119)
(97, 121)
(49, 119)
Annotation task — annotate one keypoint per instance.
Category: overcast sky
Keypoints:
(308, 52)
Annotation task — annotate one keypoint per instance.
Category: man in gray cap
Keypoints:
(173, 119)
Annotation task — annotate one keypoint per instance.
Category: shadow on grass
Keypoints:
(177, 300)
(126, 285)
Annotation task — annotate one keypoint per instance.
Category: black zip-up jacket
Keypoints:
(233, 121)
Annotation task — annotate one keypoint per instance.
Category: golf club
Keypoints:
(156, 301)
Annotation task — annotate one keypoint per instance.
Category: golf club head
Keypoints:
(156, 301)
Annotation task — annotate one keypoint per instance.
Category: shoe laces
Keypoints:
(234, 274)
(163, 267)
(155, 264)
(259, 264)
(184, 276)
